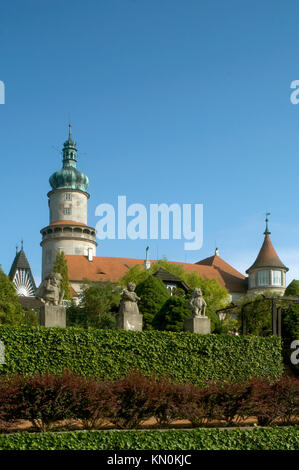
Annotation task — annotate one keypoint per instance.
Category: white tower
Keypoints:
(67, 230)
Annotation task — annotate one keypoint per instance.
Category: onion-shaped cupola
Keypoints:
(69, 177)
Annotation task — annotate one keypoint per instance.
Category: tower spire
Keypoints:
(70, 130)
(266, 232)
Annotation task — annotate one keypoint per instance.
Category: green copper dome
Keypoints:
(69, 177)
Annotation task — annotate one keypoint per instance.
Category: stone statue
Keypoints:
(50, 290)
(197, 304)
(128, 303)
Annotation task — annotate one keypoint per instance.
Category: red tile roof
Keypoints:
(112, 269)
(267, 257)
(233, 279)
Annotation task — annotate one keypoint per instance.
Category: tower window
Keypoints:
(263, 278)
(276, 278)
(68, 196)
(251, 281)
(67, 211)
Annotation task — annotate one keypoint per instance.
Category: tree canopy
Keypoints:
(60, 266)
(172, 315)
(214, 294)
(293, 289)
(11, 312)
(98, 303)
(153, 295)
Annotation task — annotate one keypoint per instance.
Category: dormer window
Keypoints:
(263, 278)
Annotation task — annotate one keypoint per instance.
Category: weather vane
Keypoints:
(267, 229)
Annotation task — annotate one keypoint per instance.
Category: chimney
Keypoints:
(90, 255)
(216, 252)
(147, 263)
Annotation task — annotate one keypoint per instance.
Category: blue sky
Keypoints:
(170, 101)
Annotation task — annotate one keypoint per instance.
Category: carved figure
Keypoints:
(129, 298)
(50, 290)
(197, 304)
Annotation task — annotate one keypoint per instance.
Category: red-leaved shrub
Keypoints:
(272, 401)
(46, 399)
(171, 400)
(92, 401)
(132, 400)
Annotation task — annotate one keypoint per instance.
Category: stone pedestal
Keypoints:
(52, 315)
(129, 321)
(199, 325)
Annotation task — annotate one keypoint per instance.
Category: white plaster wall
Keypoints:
(69, 247)
(77, 205)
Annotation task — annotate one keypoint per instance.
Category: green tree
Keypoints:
(60, 266)
(290, 322)
(99, 302)
(293, 289)
(172, 315)
(136, 274)
(257, 312)
(11, 312)
(153, 295)
(214, 294)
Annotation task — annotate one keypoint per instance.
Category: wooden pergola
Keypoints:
(276, 307)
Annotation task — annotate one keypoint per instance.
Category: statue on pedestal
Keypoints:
(197, 304)
(129, 298)
(128, 317)
(50, 290)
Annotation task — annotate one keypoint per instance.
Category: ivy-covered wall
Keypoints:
(110, 354)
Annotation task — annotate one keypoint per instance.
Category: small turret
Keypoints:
(267, 273)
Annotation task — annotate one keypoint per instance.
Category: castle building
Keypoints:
(67, 230)
(103, 268)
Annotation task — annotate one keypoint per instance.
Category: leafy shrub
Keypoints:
(12, 407)
(170, 401)
(293, 289)
(278, 400)
(45, 399)
(91, 401)
(133, 399)
(184, 357)
(153, 294)
(276, 438)
(99, 300)
(172, 315)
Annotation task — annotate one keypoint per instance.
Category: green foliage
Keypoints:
(273, 438)
(172, 315)
(290, 331)
(30, 317)
(136, 274)
(290, 322)
(153, 294)
(214, 294)
(293, 289)
(60, 266)
(258, 315)
(108, 354)
(11, 312)
(99, 302)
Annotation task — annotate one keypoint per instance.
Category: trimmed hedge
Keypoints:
(108, 354)
(276, 438)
